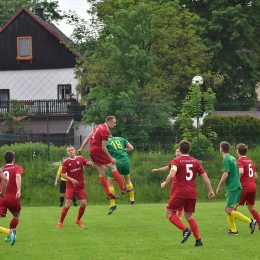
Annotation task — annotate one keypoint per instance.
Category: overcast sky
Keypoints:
(79, 6)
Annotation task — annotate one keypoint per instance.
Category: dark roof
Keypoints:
(39, 126)
(56, 126)
(255, 114)
(50, 27)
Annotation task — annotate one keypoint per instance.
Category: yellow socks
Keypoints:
(232, 223)
(4, 230)
(112, 202)
(240, 216)
(131, 193)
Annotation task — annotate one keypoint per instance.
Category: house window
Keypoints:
(24, 48)
(64, 91)
(4, 97)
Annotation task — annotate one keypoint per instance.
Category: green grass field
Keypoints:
(131, 232)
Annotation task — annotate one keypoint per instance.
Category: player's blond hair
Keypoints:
(110, 118)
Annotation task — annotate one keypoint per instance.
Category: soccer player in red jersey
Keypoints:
(248, 175)
(185, 168)
(75, 185)
(3, 179)
(11, 200)
(101, 157)
(173, 186)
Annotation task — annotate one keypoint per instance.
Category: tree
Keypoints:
(192, 107)
(9, 7)
(231, 31)
(149, 45)
(145, 55)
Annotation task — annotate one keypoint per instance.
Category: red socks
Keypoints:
(256, 216)
(175, 220)
(64, 212)
(103, 182)
(13, 223)
(81, 212)
(194, 228)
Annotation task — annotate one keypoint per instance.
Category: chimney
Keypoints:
(39, 12)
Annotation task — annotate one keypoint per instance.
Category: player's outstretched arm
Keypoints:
(162, 169)
(85, 142)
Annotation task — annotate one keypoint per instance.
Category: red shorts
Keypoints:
(79, 193)
(248, 198)
(12, 204)
(177, 204)
(99, 157)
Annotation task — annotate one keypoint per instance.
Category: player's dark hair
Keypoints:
(225, 146)
(242, 148)
(184, 147)
(9, 156)
(110, 118)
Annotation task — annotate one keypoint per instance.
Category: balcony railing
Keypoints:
(46, 107)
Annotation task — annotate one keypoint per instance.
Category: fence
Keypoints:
(44, 107)
(150, 127)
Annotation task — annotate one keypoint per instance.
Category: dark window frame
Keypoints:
(63, 91)
(4, 103)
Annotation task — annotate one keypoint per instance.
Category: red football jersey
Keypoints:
(187, 169)
(248, 178)
(10, 171)
(74, 169)
(101, 132)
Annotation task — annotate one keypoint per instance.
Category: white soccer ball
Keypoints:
(197, 80)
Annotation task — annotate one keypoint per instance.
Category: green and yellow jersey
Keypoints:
(230, 165)
(116, 147)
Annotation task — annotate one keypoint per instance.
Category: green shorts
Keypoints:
(123, 168)
(232, 198)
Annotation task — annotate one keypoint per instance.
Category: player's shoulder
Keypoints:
(17, 168)
(81, 158)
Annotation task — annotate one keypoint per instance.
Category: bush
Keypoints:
(245, 129)
(39, 174)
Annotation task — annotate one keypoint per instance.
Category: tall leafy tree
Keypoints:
(231, 30)
(9, 7)
(154, 46)
(146, 51)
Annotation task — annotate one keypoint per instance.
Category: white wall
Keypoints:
(81, 133)
(258, 91)
(36, 84)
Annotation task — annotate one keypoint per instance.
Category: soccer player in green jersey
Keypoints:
(231, 177)
(118, 147)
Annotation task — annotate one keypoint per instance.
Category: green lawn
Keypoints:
(131, 232)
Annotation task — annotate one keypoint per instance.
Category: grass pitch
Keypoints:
(131, 232)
